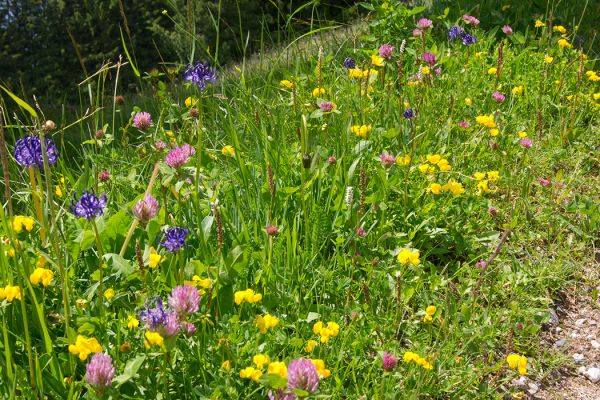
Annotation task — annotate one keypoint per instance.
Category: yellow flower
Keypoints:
(479, 175)
(247, 295)
(444, 166)
(260, 360)
(492, 70)
(431, 310)
(278, 368)
(226, 365)
(154, 258)
(332, 329)
(486, 120)
(596, 96)
(426, 168)
(522, 365)
(153, 339)
(318, 91)
(455, 187)
(479, 54)
(592, 76)
(564, 43)
(414, 357)
(409, 257)
(493, 175)
(505, 7)
(58, 191)
(42, 275)
(310, 345)
(539, 24)
(132, 322)
(377, 61)
(10, 292)
(197, 281)
(517, 90)
(494, 132)
(434, 188)
(517, 362)
(250, 373)
(483, 187)
(320, 367)
(361, 130)
(286, 84)
(265, 322)
(425, 70)
(228, 150)
(427, 318)
(522, 134)
(560, 28)
(190, 101)
(20, 222)
(109, 293)
(468, 101)
(355, 73)
(368, 72)
(170, 133)
(434, 159)
(410, 356)
(403, 160)
(548, 59)
(84, 346)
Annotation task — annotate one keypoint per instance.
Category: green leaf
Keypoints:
(135, 70)
(119, 265)
(20, 102)
(130, 371)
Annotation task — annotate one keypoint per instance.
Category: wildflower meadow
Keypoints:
(392, 218)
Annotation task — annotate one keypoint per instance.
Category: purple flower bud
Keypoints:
(507, 30)
(361, 232)
(493, 211)
(424, 23)
(272, 230)
(179, 156)
(189, 329)
(171, 326)
(387, 160)
(389, 361)
(464, 124)
(160, 145)
(410, 113)
(544, 181)
(469, 19)
(332, 160)
(429, 58)
(386, 51)
(526, 143)
(142, 120)
(100, 371)
(417, 32)
(327, 106)
(498, 97)
(104, 176)
(146, 209)
(99, 134)
(481, 264)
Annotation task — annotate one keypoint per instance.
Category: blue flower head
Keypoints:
(468, 39)
(455, 32)
(28, 152)
(199, 74)
(349, 63)
(173, 239)
(153, 313)
(89, 205)
(409, 113)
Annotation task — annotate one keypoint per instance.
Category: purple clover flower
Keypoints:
(303, 375)
(89, 205)
(184, 300)
(387, 160)
(469, 19)
(179, 156)
(142, 120)
(100, 371)
(389, 361)
(146, 209)
(386, 50)
(507, 30)
(429, 58)
(526, 143)
(498, 97)
(171, 326)
(349, 63)
(280, 394)
(28, 152)
(424, 24)
(327, 106)
(174, 239)
(200, 74)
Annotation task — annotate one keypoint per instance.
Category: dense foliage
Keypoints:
(386, 219)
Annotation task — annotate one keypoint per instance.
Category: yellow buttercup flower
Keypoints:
(228, 151)
(377, 61)
(332, 329)
(42, 275)
(170, 133)
(318, 92)
(190, 101)
(444, 166)
(592, 76)
(310, 345)
(517, 90)
(456, 188)
(434, 188)
(361, 130)
(278, 368)
(522, 134)
(431, 310)
(434, 159)
(320, 367)
(410, 357)
(109, 293)
(84, 346)
(426, 168)
(355, 73)
(248, 296)
(154, 258)
(548, 59)
(492, 70)
(287, 84)
(564, 43)
(517, 362)
(199, 282)
(486, 120)
(266, 322)
(493, 175)
(403, 160)
(58, 191)
(425, 70)
(479, 175)
(494, 132)
(10, 293)
(409, 257)
(132, 322)
(20, 222)
(560, 28)
(261, 360)
(539, 24)
(250, 373)
(153, 339)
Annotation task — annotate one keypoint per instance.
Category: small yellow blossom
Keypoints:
(483, 187)
(190, 101)
(361, 130)
(320, 367)
(492, 71)
(560, 28)
(199, 282)
(250, 373)
(355, 73)
(132, 322)
(318, 92)
(431, 310)
(456, 188)
(479, 175)
(444, 166)
(403, 160)
(247, 295)
(548, 59)
(425, 70)
(479, 54)
(265, 322)
(310, 345)
(42, 275)
(260, 360)
(368, 72)
(154, 258)
(486, 120)
(564, 43)
(592, 76)
(377, 61)
(84, 346)
(494, 132)
(409, 257)
(522, 134)
(109, 293)
(20, 222)
(517, 90)
(278, 368)
(226, 365)
(493, 175)
(10, 293)
(287, 84)
(409, 357)
(170, 133)
(153, 339)
(228, 151)
(332, 329)
(426, 168)
(434, 188)
(469, 101)
(434, 159)
(596, 96)
(539, 24)
(58, 191)
(517, 362)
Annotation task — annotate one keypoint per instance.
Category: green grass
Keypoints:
(318, 268)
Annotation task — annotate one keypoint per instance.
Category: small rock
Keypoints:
(581, 370)
(575, 335)
(558, 329)
(595, 344)
(553, 317)
(580, 322)
(533, 388)
(579, 358)
(521, 382)
(593, 374)
(560, 343)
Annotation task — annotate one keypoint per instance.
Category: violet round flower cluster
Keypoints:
(180, 155)
(183, 302)
(89, 205)
(389, 361)
(200, 74)
(410, 113)
(100, 372)
(456, 32)
(28, 152)
(302, 375)
(146, 209)
(173, 239)
(142, 120)
(349, 63)
(386, 50)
